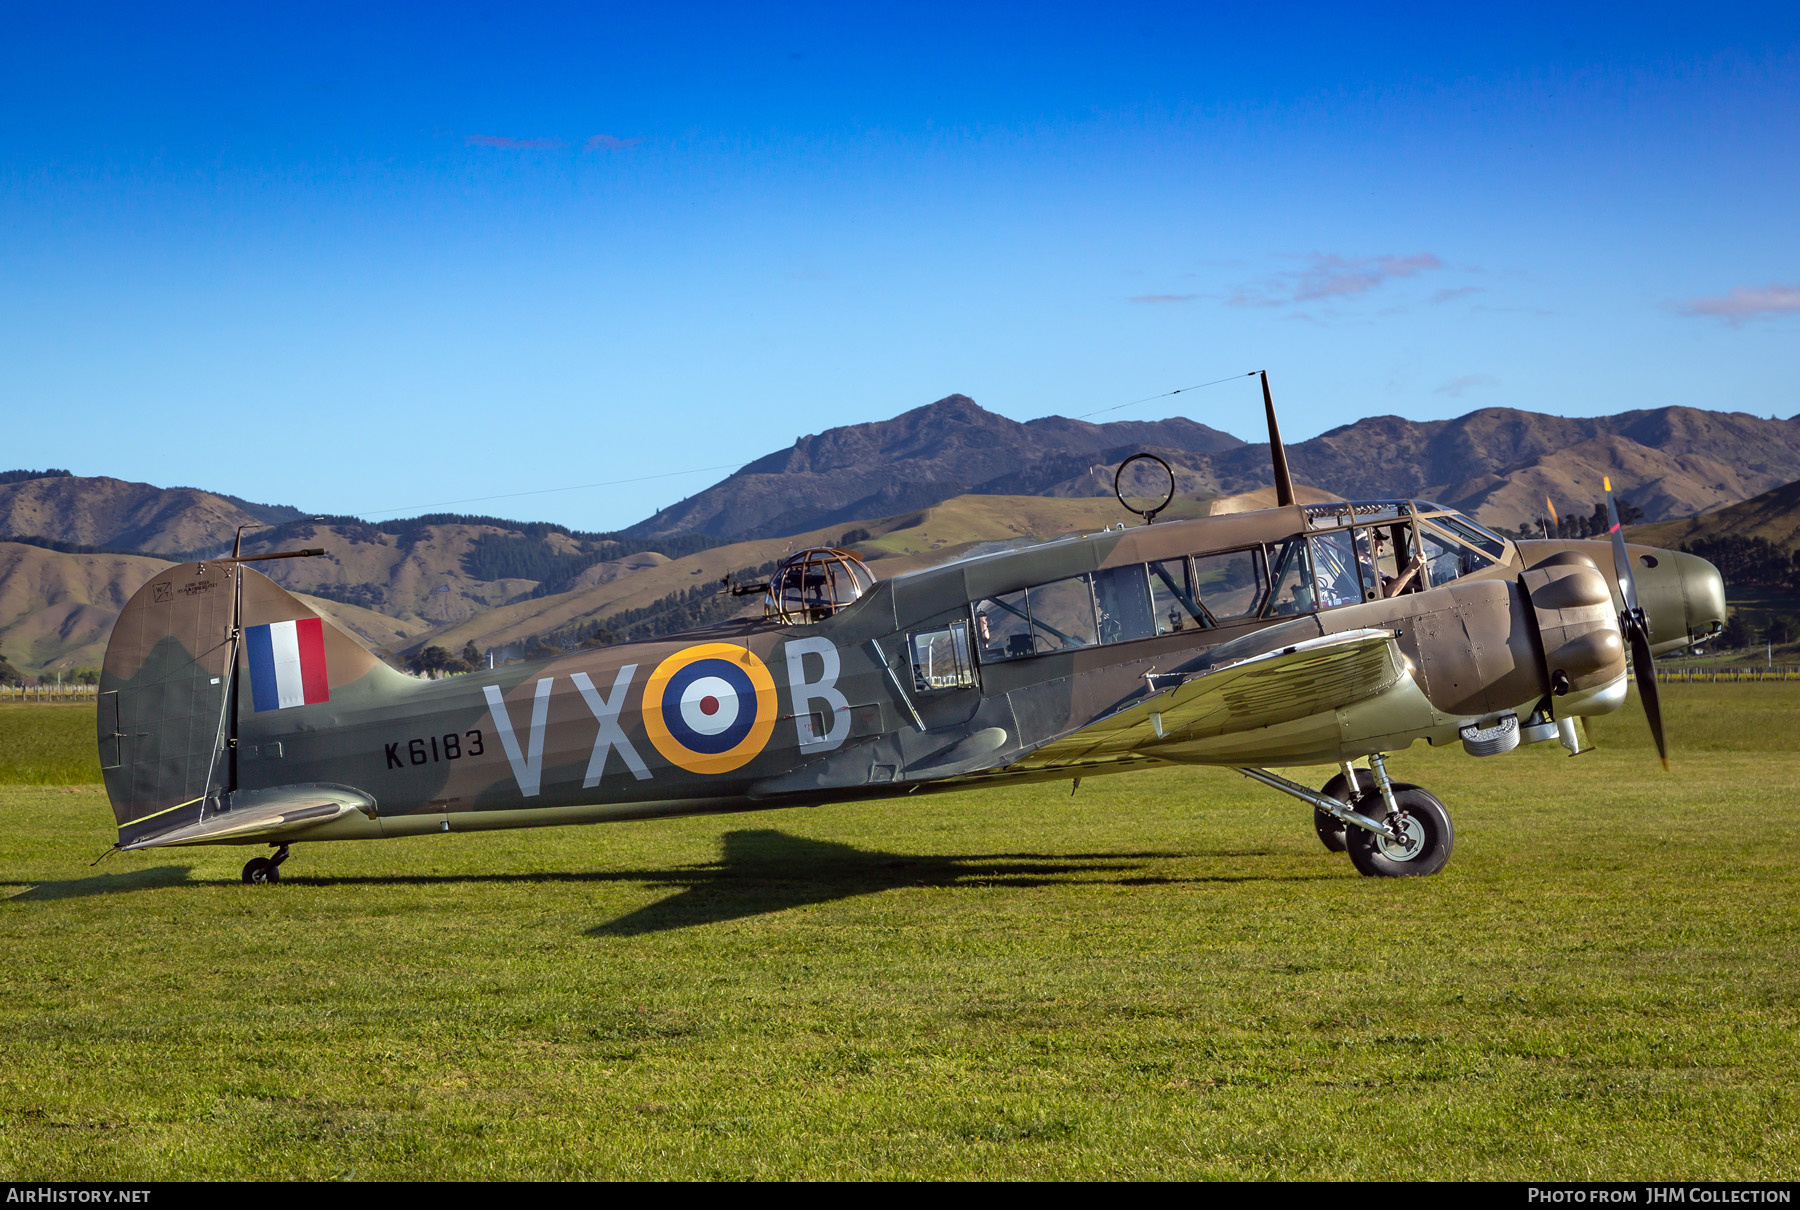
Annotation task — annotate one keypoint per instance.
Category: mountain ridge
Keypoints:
(407, 581)
(1493, 462)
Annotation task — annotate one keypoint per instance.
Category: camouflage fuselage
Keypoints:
(824, 711)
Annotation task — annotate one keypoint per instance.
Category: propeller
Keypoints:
(1636, 627)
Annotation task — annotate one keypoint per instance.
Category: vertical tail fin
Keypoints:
(187, 643)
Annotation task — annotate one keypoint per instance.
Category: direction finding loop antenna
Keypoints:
(1119, 486)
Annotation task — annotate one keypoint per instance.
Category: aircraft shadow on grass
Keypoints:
(760, 871)
(101, 884)
(765, 870)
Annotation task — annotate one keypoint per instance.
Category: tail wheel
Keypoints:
(260, 870)
(1425, 839)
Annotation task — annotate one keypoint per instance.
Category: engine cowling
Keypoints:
(1573, 606)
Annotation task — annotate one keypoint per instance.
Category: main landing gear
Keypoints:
(1391, 829)
(261, 870)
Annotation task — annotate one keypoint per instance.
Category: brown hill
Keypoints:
(100, 511)
(416, 575)
(57, 610)
(446, 579)
(1774, 515)
(917, 459)
(1498, 463)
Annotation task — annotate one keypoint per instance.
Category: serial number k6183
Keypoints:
(434, 748)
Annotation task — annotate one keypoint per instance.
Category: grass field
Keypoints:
(48, 744)
(1163, 976)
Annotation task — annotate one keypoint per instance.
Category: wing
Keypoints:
(1309, 679)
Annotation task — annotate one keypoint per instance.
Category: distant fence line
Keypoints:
(48, 693)
(1779, 672)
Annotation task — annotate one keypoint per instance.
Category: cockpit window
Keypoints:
(1335, 571)
(1295, 591)
(1446, 560)
(1231, 584)
(1049, 617)
(1122, 601)
(1003, 626)
(1172, 598)
(1473, 534)
(1384, 553)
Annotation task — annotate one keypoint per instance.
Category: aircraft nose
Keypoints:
(1703, 588)
(1683, 597)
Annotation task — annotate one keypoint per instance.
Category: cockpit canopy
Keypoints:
(812, 584)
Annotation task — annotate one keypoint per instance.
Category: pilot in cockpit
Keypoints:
(1375, 567)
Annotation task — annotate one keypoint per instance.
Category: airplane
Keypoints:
(1298, 635)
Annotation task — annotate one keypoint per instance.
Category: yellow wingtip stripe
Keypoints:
(140, 819)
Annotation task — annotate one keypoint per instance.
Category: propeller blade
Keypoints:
(1554, 519)
(1646, 679)
(1621, 559)
(1636, 627)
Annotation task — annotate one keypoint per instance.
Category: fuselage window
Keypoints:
(1172, 599)
(1003, 626)
(1122, 599)
(1336, 574)
(1295, 592)
(1062, 614)
(1231, 584)
(1050, 617)
(941, 659)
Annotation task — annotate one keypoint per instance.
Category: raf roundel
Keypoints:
(710, 708)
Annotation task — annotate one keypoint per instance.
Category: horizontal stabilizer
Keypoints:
(276, 814)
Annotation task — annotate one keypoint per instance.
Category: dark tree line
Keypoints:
(1595, 525)
(687, 609)
(531, 557)
(435, 661)
(1739, 632)
(1746, 561)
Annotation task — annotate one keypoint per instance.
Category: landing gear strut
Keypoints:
(1390, 829)
(261, 870)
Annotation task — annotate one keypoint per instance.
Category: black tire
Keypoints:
(1330, 830)
(260, 870)
(1427, 823)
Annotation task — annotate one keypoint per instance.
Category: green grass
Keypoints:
(48, 744)
(1163, 976)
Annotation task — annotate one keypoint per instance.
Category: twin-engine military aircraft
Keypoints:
(231, 713)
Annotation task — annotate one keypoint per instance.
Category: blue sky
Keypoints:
(371, 262)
